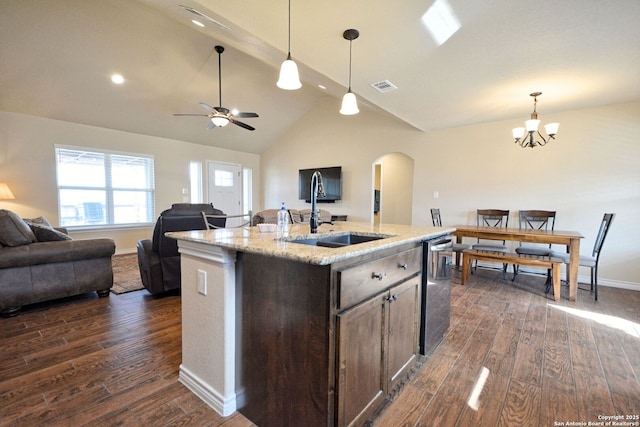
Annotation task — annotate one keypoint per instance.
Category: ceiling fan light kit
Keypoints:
(289, 78)
(220, 121)
(524, 135)
(349, 102)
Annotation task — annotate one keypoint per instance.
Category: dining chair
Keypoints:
(495, 218)
(593, 260)
(535, 220)
(443, 247)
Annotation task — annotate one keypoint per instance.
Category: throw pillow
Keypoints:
(47, 234)
(13, 230)
(40, 220)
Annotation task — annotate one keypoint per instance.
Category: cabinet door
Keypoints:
(402, 341)
(361, 374)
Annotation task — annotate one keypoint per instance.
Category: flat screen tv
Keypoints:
(331, 180)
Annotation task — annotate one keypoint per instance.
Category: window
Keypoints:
(247, 195)
(195, 177)
(223, 178)
(97, 188)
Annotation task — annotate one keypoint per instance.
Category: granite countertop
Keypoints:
(250, 239)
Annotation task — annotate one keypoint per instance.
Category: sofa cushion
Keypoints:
(47, 234)
(267, 216)
(56, 252)
(13, 230)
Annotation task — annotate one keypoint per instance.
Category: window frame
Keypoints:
(108, 188)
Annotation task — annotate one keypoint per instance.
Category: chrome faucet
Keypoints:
(316, 189)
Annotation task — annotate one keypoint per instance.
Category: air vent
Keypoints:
(384, 86)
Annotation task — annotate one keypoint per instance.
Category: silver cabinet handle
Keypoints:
(378, 276)
(403, 266)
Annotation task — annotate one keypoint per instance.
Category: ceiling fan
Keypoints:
(220, 116)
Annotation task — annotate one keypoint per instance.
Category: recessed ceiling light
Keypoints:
(198, 23)
(117, 79)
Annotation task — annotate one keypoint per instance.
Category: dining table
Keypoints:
(570, 239)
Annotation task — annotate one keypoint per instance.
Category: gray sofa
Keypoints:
(39, 263)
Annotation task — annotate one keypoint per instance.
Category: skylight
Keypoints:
(441, 21)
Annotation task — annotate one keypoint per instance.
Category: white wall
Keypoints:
(27, 164)
(591, 168)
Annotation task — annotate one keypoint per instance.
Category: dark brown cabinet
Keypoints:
(377, 341)
(324, 344)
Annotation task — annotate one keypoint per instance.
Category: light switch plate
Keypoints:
(202, 282)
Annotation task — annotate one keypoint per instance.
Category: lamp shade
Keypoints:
(532, 125)
(349, 104)
(5, 192)
(289, 77)
(551, 128)
(517, 132)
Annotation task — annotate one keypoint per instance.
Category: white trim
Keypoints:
(220, 404)
(208, 252)
(585, 280)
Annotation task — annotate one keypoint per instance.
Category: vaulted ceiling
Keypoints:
(56, 58)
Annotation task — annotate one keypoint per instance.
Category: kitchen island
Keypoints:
(315, 330)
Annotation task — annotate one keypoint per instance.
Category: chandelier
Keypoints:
(524, 136)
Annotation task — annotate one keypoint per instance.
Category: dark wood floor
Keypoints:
(114, 361)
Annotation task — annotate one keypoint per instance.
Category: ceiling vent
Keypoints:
(384, 86)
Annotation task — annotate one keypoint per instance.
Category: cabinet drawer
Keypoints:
(364, 280)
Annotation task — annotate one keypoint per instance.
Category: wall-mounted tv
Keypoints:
(331, 180)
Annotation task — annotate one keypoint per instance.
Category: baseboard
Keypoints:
(612, 283)
(584, 279)
(211, 397)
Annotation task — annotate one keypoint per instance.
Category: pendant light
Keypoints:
(289, 78)
(349, 102)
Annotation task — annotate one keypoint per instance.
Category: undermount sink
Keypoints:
(339, 240)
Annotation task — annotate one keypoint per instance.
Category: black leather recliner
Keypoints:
(158, 258)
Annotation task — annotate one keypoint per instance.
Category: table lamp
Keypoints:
(5, 192)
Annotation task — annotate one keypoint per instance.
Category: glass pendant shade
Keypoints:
(551, 128)
(289, 77)
(532, 125)
(518, 132)
(349, 104)
(220, 121)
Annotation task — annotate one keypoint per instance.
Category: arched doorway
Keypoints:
(392, 189)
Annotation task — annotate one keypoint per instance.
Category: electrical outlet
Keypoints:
(202, 282)
(436, 195)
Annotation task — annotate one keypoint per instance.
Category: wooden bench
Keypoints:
(513, 258)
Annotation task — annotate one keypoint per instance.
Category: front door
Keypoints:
(224, 189)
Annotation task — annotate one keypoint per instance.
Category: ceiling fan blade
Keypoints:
(242, 125)
(198, 115)
(211, 125)
(246, 115)
(206, 106)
